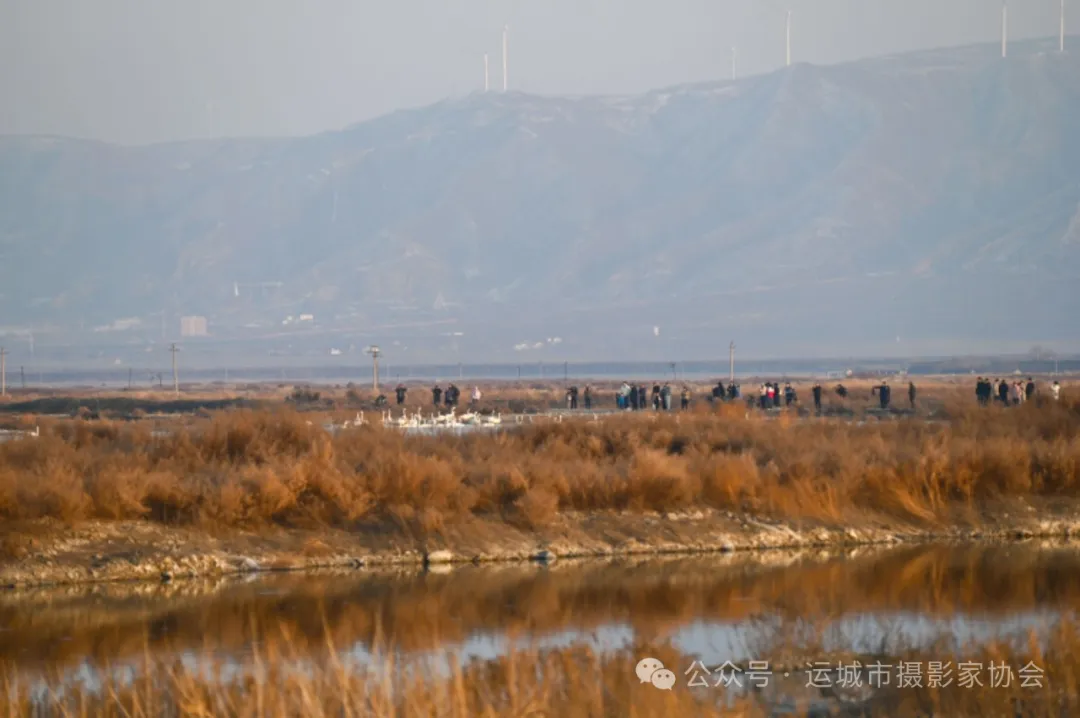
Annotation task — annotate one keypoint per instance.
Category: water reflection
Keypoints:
(719, 608)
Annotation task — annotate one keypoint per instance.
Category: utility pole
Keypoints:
(175, 377)
(731, 361)
(3, 371)
(374, 352)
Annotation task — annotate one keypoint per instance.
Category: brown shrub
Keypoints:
(256, 467)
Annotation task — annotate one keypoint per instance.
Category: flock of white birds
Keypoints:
(416, 420)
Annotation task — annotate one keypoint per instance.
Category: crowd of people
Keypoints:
(770, 395)
(1008, 393)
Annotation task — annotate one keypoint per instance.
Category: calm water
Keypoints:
(724, 608)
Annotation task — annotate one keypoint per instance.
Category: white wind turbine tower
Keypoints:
(506, 75)
(789, 38)
(1004, 28)
(1061, 36)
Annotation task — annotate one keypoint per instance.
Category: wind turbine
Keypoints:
(505, 58)
(1004, 28)
(789, 37)
(1061, 37)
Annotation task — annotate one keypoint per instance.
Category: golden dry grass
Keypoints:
(247, 468)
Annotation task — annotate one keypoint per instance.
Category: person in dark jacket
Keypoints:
(634, 398)
(573, 397)
(643, 397)
(841, 391)
(1029, 390)
(665, 397)
(684, 398)
(1003, 392)
(911, 393)
(789, 394)
(400, 391)
(656, 397)
(436, 395)
(718, 391)
(884, 394)
(732, 391)
(817, 397)
(587, 396)
(980, 391)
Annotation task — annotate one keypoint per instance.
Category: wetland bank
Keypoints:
(247, 490)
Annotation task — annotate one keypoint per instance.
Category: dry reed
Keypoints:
(245, 468)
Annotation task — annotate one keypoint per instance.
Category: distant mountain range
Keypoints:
(932, 196)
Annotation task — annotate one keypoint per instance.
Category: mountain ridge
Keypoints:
(908, 194)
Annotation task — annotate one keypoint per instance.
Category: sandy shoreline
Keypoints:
(47, 553)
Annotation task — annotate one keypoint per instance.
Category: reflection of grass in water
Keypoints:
(571, 682)
(654, 598)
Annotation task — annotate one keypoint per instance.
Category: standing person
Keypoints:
(1015, 393)
(733, 391)
(718, 390)
(1003, 392)
(789, 394)
(981, 395)
(1029, 390)
(841, 391)
(764, 401)
(634, 398)
(656, 397)
(684, 398)
(476, 395)
(884, 394)
(587, 396)
(573, 397)
(665, 397)
(400, 391)
(643, 397)
(1055, 390)
(911, 394)
(817, 397)
(436, 395)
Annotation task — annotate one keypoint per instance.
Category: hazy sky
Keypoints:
(137, 71)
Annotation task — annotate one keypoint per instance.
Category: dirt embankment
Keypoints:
(45, 552)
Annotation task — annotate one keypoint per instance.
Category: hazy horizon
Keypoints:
(128, 72)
